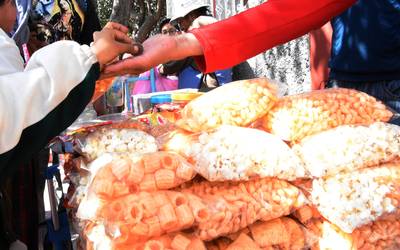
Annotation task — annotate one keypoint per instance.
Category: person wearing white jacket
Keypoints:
(40, 100)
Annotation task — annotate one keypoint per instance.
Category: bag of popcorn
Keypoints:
(238, 103)
(111, 139)
(349, 147)
(237, 153)
(351, 200)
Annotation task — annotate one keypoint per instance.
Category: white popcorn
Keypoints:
(350, 200)
(118, 141)
(236, 153)
(348, 148)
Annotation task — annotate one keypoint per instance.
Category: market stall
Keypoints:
(240, 168)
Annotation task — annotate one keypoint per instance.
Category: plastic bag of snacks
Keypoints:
(294, 117)
(118, 175)
(351, 200)
(280, 233)
(98, 239)
(151, 172)
(381, 234)
(234, 206)
(349, 147)
(117, 138)
(237, 153)
(237, 103)
(208, 209)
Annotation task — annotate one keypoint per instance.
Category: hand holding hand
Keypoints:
(113, 41)
(157, 49)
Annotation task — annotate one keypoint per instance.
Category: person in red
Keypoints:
(219, 45)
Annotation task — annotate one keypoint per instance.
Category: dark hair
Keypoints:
(2, 2)
(162, 23)
(202, 11)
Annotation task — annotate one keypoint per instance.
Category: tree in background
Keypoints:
(141, 16)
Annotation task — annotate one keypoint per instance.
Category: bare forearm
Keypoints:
(186, 45)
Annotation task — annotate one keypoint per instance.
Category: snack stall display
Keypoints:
(241, 168)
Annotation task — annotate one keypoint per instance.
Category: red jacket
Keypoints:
(233, 40)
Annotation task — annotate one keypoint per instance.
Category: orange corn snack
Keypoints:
(234, 206)
(294, 117)
(154, 171)
(243, 242)
(269, 233)
(180, 242)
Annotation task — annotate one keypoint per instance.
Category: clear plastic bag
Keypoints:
(237, 153)
(115, 176)
(209, 209)
(294, 117)
(351, 200)
(234, 206)
(237, 103)
(116, 139)
(279, 233)
(349, 147)
(381, 234)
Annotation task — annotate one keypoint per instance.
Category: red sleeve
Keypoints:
(233, 40)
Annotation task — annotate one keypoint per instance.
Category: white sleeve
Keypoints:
(28, 96)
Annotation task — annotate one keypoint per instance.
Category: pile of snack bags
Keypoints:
(243, 169)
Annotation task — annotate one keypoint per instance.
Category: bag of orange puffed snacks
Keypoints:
(233, 206)
(279, 233)
(294, 117)
(209, 209)
(238, 103)
(121, 175)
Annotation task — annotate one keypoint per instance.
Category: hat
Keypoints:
(183, 7)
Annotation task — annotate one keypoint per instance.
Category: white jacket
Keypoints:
(28, 94)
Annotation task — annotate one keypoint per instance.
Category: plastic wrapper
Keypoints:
(98, 240)
(234, 206)
(117, 139)
(280, 233)
(150, 172)
(381, 234)
(296, 116)
(237, 103)
(351, 200)
(348, 147)
(237, 153)
(207, 209)
(116, 176)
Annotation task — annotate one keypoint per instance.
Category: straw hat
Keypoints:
(183, 7)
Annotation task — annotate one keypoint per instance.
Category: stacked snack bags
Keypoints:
(297, 182)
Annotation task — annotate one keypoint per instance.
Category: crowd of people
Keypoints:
(43, 93)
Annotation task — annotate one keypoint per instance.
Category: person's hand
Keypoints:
(157, 50)
(111, 42)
